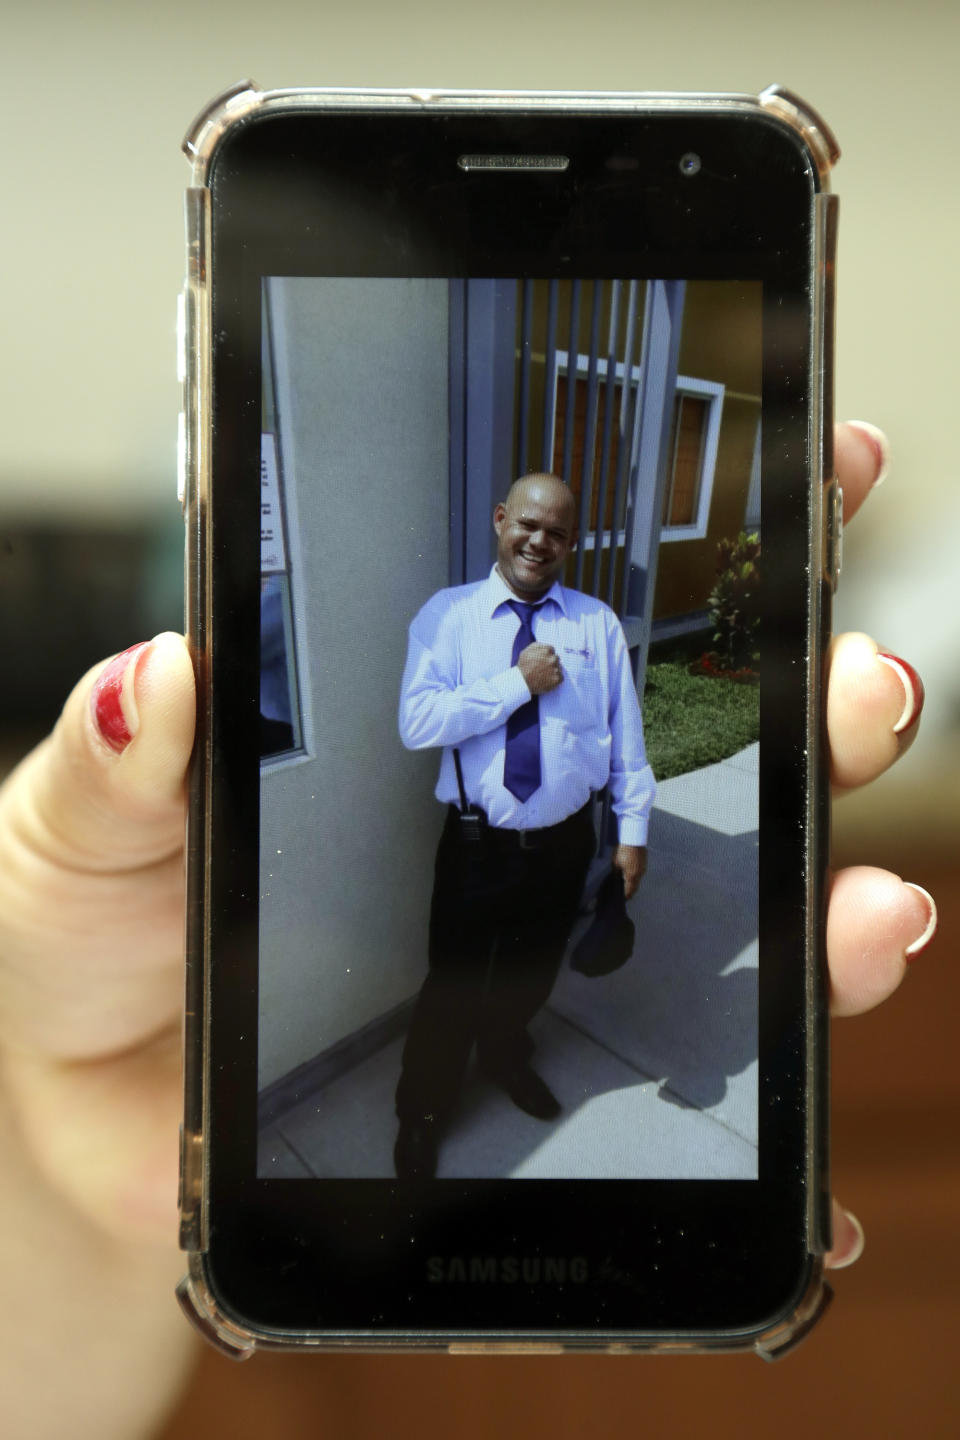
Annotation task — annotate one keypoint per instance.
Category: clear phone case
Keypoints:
(200, 145)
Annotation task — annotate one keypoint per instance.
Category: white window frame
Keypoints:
(713, 393)
(287, 466)
(752, 514)
(710, 390)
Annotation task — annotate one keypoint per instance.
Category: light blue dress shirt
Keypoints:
(459, 688)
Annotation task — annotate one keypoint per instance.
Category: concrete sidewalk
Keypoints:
(655, 1065)
(683, 1012)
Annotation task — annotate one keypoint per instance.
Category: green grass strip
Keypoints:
(694, 720)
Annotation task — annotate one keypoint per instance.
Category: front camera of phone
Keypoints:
(689, 164)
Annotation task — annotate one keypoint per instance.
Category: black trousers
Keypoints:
(500, 919)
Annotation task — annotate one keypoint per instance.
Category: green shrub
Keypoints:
(734, 606)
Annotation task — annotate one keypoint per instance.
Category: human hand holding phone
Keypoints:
(91, 961)
(91, 897)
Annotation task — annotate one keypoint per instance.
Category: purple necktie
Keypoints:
(521, 756)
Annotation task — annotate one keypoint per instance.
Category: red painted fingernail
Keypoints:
(922, 941)
(113, 701)
(912, 690)
(880, 446)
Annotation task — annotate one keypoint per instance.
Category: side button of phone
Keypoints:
(182, 459)
(834, 548)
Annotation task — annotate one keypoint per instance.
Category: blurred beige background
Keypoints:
(95, 99)
(97, 96)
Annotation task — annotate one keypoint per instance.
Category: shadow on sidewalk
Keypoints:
(684, 1009)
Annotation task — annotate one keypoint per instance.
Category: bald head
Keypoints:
(544, 485)
(536, 526)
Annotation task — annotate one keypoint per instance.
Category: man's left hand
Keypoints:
(631, 861)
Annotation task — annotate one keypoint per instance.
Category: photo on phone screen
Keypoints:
(396, 414)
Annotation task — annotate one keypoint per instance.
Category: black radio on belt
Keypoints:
(473, 820)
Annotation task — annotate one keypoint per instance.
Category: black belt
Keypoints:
(528, 839)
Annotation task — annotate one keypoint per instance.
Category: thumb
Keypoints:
(105, 791)
(91, 871)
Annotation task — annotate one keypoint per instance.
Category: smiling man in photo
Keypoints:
(527, 688)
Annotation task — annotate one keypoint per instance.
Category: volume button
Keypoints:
(182, 460)
(837, 535)
(833, 535)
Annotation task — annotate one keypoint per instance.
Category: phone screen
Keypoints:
(395, 342)
(397, 412)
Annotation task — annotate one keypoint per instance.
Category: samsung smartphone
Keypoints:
(397, 303)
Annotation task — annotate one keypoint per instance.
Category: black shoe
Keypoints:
(415, 1151)
(529, 1093)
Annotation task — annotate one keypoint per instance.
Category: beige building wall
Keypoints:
(348, 831)
(722, 341)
